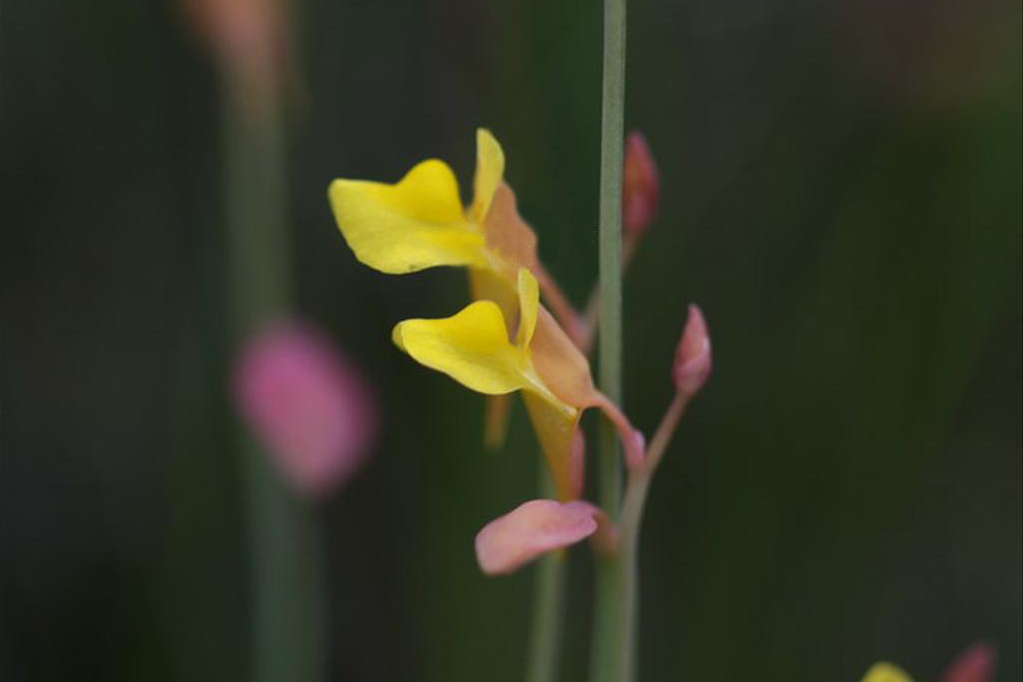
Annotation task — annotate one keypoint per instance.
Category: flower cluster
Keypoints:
(506, 340)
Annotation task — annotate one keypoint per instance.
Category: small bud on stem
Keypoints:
(693, 357)
(641, 186)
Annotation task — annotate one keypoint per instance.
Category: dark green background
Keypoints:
(841, 193)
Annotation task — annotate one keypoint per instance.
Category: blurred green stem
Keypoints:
(548, 605)
(286, 585)
(610, 657)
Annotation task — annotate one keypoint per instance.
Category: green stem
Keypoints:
(548, 606)
(610, 659)
(610, 242)
(286, 584)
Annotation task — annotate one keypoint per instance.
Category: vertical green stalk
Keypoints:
(609, 654)
(285, 579)
(610, 242)
(548, 605)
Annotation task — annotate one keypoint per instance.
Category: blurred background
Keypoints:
(841, 192)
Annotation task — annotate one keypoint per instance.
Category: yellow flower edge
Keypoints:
(886, 672)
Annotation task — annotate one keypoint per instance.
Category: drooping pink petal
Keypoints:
(306, 404)
(531, 529)
(976, 664)
(693, 356)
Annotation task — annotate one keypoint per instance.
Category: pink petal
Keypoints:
(306, 404)
(531, 529)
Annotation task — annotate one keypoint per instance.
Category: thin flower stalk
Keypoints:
(609, 657)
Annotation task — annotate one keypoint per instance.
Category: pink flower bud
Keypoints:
(641, 185)
(693, 357)
(531, 529)
(976, 664)
(248, 36)
(306, 404)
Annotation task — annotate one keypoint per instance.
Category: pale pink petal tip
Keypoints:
(976, 664)
(531, 529)
(306, 404)
(693, 356)
(641, 185)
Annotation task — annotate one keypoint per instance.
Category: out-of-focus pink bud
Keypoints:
(248, 36)
(692, 357)
(976, 664)
(531, 529)
(641, 185)
(306, 404)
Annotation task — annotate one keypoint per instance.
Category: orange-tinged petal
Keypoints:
(507, 234)
(565, 371)
(531, 529)
(497, 410)
(560, 439)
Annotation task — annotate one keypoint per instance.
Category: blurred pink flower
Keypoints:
(693, 356)
(306, 404)
(250, 38)
(976, 664)
(531, 529)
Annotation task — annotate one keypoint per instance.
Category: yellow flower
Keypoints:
(419, 223)
(886, 672)
(473, 347)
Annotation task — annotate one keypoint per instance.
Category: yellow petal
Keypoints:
(471, 347)
(415, 224)
(488, 285)
(558, 433)
(886, 672)
(489, 171)
(529, 307)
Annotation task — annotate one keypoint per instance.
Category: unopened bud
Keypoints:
(693, 357)
(976, 664)
(641, 185)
